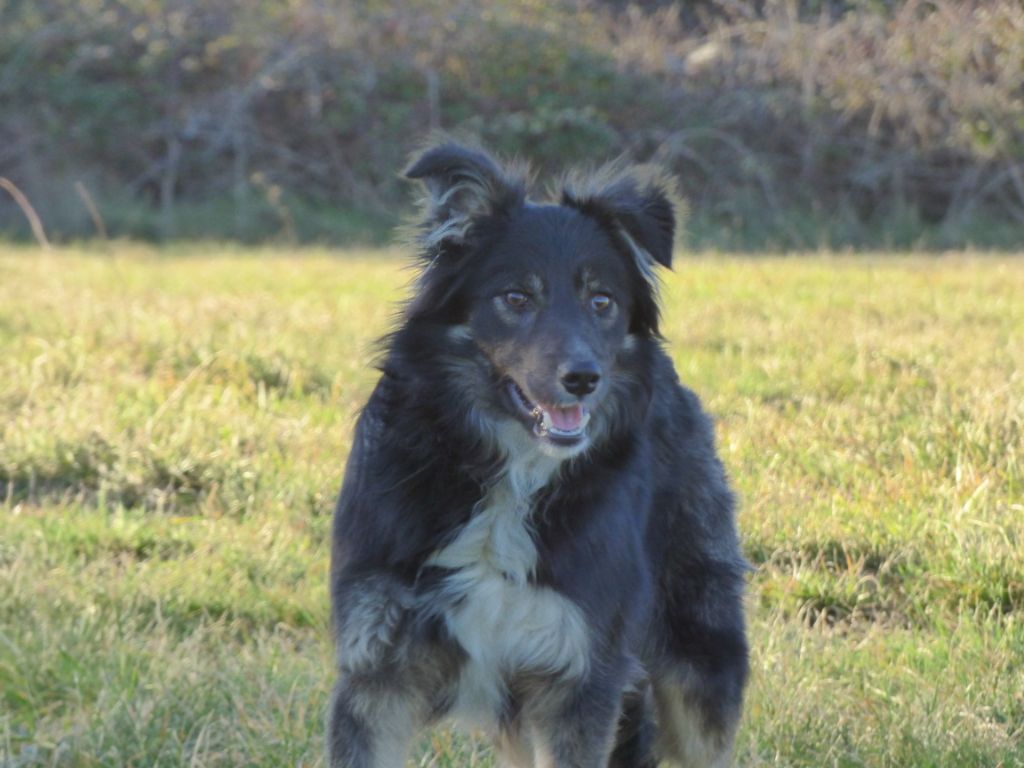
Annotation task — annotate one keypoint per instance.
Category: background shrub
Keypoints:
(789, 124)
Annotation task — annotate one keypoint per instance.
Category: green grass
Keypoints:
(175, 424)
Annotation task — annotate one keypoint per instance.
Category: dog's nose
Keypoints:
(581, 379)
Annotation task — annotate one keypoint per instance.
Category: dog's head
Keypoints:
(546, 306)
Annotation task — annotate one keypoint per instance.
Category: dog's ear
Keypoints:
(463, 185)
(636, 206)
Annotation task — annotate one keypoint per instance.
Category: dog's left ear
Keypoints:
(635, 206)
(463, 186)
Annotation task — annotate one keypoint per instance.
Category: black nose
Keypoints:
(581, 379)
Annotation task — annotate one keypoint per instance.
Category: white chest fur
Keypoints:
(504, 624)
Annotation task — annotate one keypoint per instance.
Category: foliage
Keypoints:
(800, 123)
(176, 424)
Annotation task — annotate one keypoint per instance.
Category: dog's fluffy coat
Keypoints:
(535, 536)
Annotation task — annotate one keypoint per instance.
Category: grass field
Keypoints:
(175, 424)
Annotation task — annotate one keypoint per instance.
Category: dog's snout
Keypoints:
(581, 378)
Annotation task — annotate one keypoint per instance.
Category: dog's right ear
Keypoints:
(463, 185)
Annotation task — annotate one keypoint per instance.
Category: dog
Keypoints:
(535, 537)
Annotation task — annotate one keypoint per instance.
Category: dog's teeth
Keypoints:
(543, 425)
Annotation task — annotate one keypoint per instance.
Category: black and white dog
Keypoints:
(535, 536)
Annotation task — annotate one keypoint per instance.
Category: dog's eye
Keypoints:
(599, 302)
(517, 299)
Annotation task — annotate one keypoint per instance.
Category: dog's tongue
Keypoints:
(566, 419)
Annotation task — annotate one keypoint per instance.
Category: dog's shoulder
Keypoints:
(371, 443)
(402, 494)
(678, 420)
(687, 471)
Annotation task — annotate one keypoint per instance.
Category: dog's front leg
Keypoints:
(368, 727)
(581, 732)
(374, 711)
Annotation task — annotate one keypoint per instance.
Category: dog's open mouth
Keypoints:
(561, 424)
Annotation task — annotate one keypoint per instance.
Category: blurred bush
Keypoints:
(788, 124)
